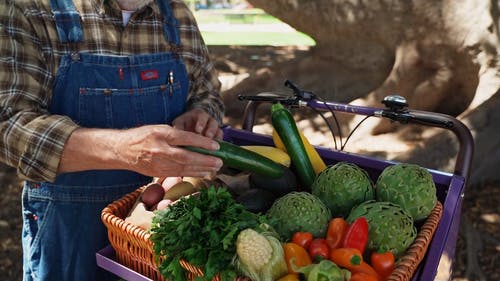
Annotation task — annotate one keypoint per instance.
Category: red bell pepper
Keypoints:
(357, 235)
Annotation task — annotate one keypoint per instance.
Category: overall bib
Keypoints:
(62, 227)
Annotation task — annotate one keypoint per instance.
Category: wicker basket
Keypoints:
(135, 250)
(132, 245)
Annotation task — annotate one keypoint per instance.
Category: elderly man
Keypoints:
(96, 98)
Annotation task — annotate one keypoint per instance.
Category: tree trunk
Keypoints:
(430, 52)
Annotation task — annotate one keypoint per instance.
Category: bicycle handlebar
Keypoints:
(395, 112)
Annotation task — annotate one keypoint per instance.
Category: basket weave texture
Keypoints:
(134, 249)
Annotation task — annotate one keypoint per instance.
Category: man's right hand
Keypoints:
(151, 150)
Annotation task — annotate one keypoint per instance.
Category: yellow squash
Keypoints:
(316, 161)
(271, 152)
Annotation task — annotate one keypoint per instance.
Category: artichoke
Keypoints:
(390, 228)
(343, 186)
(409, 186)
(299, 211)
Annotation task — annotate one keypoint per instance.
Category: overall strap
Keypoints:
(170, 24)
(68, 22)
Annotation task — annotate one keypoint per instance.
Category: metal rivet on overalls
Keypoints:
(107, 91)
(171, 82)
(75, 56)
(32, 216)
(163, 87)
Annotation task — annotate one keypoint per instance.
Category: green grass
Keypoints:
(254, 38)
(257, 38)
(238, 17)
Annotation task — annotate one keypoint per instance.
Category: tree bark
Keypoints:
(430, 52)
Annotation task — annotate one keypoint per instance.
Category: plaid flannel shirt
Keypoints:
(32, 139)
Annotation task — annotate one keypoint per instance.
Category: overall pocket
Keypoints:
(37, 213)
(127, 108)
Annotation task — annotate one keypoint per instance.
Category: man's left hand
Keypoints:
(198, 121)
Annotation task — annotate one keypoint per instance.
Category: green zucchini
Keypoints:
(242, 159)
(285, 126)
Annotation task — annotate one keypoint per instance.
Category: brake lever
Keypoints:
(285, 100)
(299, 93)
(298, 99)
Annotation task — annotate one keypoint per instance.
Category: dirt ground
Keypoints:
(481, 208)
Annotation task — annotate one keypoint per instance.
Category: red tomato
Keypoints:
(383, 263)
(302, 238)
(318, 249)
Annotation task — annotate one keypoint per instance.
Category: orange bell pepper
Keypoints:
(337, 228)
(360, 276)
(346, 257)
(352, 259)
(297, 255)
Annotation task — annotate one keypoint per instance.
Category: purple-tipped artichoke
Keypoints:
(409, 186)
(343, 186)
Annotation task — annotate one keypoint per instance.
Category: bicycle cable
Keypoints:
(329, 127)
(354, 129)
(328, 123)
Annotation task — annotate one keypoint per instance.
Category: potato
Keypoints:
(152, 194)
(198, 183)
(178, 190)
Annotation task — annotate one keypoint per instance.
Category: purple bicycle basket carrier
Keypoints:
(450, 186)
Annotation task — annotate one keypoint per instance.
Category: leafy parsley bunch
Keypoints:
(201, 229)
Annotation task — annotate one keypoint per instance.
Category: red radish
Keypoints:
(168, 182)
(163, 204)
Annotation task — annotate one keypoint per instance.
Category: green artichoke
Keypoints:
(390, 228)
(409, 186)
(343, 186)
(299, 211)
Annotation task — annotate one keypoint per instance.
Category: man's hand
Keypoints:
(198, 121)
(151, 150)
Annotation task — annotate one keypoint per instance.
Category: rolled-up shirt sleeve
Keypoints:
(204, 90)
(31, 139)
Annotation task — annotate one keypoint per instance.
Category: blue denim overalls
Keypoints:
(62, 228)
